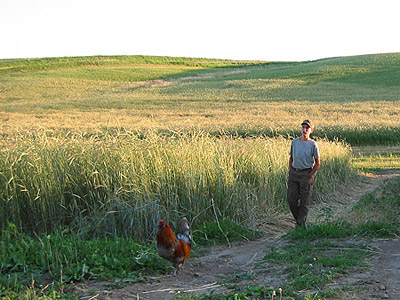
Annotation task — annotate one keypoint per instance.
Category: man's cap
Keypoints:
(309, 123)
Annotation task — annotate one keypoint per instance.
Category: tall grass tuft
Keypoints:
(122, 184)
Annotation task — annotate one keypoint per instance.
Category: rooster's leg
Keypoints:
(177, 269)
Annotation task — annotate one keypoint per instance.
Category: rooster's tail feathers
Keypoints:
(184, 232)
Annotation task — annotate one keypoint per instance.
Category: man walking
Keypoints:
(304, 162)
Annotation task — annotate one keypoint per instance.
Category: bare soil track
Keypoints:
(237, 264)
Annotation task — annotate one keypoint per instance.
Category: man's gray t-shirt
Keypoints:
(304, 153)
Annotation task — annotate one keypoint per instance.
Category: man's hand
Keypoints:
(311, 181)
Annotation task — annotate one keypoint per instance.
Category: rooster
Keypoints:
(171, 247)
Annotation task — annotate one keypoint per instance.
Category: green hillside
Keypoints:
(352, 98)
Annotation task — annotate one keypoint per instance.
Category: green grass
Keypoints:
(383, 204)
(115, 73)
(380, 206)
(311, 266)
(8, 66)
(250, 292)
(69, 258)
(15, 291)
(376, 159)
(222, 232)
(59, 259)
(369, 229)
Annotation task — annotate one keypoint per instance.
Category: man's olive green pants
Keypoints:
(299, 194)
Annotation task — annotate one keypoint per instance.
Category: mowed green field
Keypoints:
(350, 98)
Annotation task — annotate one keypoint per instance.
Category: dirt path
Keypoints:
(350, 196)
(237, 263)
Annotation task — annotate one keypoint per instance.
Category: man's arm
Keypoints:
(290, 162)
(316, 166)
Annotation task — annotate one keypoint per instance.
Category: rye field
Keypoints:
(95, 150)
